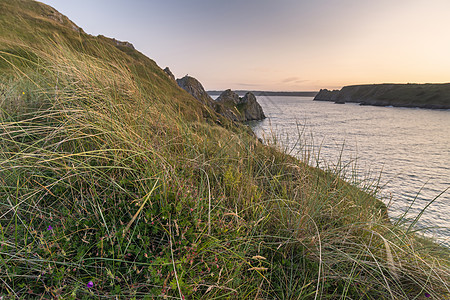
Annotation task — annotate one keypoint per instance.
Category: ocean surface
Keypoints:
(404, 151)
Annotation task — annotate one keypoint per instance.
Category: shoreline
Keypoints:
(428, 96)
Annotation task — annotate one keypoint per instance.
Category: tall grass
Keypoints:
(110, 174)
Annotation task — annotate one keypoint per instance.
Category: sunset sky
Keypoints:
(283, 45)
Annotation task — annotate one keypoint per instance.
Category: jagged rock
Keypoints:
(251, 108)
(168, 72)
(228, 104)
(244, 109)
(195, 88)
(229, 97)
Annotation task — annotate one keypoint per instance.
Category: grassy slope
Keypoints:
(146, 196)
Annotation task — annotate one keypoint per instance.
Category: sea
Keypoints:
(404, 153)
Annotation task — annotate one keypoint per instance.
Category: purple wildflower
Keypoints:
(427, 295)
(49, 227)
(90, 284)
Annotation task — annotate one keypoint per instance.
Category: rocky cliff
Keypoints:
(251, 108)
(229, 104)
(245, 108)
(436, 96)
(195, 88)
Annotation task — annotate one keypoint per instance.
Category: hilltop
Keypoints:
(116, 183)
(435, 96)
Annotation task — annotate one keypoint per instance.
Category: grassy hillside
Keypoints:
(115, 183)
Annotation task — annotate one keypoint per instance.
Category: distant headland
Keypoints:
(429, 95)
(268, 93)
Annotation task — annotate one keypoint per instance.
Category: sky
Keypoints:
(279, 45)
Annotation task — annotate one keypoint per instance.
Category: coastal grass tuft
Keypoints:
(115, 183)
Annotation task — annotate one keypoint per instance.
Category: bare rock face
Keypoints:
(195, 88)
(229, 97)
(251, 108)
(228, 104)
(245, 109)
(327, 95)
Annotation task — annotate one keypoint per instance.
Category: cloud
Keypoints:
(290, 79)
(248, 84)
(302, 81)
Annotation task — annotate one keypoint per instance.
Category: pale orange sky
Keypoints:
(280, 44)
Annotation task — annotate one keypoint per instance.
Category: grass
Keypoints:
(115, 183)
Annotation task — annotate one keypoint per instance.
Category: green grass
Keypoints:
(147, 197)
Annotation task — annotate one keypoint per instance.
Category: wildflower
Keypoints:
(192, 209)
(49, 227)
(427, 295)
(90, 284)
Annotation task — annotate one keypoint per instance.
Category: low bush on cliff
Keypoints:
(115, 183)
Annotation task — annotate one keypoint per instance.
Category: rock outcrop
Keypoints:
(244, 109)
(229, 98)
(327, 95)
(228, 104)
(251, 108)
(435, 96)
(195, 88)
(169, 73)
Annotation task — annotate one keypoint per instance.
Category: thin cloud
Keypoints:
(290, 79)
(248, 84)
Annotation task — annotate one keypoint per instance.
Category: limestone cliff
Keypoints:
(251, 108)
(436, 96)
(195, 88)
(327, 95)
(243, 109)
(229, 104)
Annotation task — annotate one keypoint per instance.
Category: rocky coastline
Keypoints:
(228, 104)
(432, 96)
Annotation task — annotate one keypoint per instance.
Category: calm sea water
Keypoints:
(409, 149)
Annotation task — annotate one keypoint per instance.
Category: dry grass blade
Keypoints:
(146, 199)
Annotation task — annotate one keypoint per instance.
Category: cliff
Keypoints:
(435, 96)
(116, 183)
(228, 104)
(195, 88)
(251, 108)
(242, 109)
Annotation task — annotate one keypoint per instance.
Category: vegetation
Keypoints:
(429, 95)
(115, 183)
